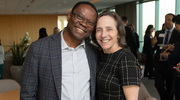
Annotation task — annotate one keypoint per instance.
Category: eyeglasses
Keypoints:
(81, 19)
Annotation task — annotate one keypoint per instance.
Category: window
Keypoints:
(165, 7)
(62, 22)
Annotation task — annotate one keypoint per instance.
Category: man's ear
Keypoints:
(69, 16)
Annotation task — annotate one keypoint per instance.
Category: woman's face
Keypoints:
(151, 30)
(107, 34)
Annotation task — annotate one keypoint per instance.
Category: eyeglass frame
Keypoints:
(81, 19)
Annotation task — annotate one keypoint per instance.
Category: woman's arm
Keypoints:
(131, 92)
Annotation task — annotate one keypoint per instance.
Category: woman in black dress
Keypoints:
(118, 72)
(148, 50)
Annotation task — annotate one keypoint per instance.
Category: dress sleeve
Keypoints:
(129, 70)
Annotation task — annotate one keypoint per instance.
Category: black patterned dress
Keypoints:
(114, 71)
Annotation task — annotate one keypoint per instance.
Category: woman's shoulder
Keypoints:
(127, 54)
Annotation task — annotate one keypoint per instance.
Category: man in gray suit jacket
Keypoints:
(63, 66)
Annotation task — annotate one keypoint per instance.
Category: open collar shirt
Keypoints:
(75, 72)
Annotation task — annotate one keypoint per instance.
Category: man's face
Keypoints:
(81, 21)
(168, 22)
(177, 27)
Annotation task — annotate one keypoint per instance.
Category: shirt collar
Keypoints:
(65, 46)
(170, 30)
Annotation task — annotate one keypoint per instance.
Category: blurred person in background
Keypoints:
(131, 26)
(130, 37)
(174, 57)
(164, 74)
(148, 50)
(1, 60)
(42, 33)
(56, 30)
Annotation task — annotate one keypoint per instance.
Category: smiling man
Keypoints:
(63, 66)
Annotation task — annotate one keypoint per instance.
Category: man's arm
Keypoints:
(29, 83)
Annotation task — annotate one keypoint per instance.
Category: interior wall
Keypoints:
(14, 27)
(128, 10)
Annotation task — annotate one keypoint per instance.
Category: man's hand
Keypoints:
(165, 55)
(154, 41)
(177, 67)
(171, 47)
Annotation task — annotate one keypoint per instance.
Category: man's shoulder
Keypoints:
(128, 30)
(93, 48)
(160, 31)
(175, 31)
(44, 42)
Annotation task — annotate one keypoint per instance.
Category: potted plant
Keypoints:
(18, 51)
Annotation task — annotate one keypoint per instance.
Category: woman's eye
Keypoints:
(109, 29)
(98, 30)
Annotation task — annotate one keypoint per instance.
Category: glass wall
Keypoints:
(148, 15)
(165, 7)
(147, 10)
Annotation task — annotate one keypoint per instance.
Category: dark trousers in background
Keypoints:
(148, 71)
(165, 80)
(1, 71)
(177, 88)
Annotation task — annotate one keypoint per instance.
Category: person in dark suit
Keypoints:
(130, 37)
(42, 33)
(131, 26)
(63, 66)
(148, 50)
(174, 57)
(165, 75)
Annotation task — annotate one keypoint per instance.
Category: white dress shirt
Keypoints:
(170, 33)
(75, 72)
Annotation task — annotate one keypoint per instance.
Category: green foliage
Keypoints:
(19, 51)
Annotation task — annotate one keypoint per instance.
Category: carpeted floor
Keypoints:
(149, 84)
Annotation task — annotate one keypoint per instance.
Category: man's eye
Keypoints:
(91, 23)
(79, 17)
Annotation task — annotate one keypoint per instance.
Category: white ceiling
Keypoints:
(11, 7)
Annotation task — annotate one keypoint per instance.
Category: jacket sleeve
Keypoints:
(29, 83)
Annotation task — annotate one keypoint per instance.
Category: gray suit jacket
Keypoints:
(42, 75)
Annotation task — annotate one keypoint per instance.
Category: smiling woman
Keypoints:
(118, 72)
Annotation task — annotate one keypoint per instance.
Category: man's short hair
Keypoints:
(176, 19)
(56, 28)
(124, 18)
(170, 14)
(86, 3)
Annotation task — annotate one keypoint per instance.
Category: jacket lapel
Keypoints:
(56, 62)
(173, 36)
(92, 66)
